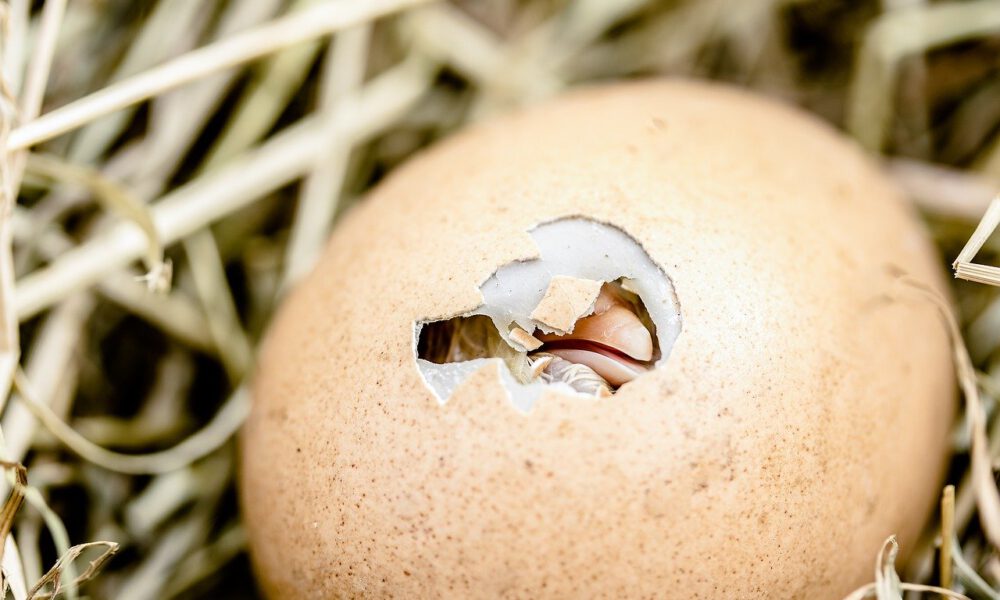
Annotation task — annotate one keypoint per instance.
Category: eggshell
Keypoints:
(566, 300)
(801, 417)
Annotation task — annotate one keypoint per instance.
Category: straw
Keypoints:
(226, 139)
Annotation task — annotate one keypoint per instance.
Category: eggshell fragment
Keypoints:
(525, 339)
(566, 300)
(801, 416)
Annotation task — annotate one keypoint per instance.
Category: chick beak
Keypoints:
(613, 341)
(617, 328)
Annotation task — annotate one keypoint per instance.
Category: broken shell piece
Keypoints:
(566, 300)
(580, 377)
(538, 364)
(524, 338)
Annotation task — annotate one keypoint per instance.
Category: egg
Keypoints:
(643, 340)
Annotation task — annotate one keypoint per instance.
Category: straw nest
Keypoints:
(172, 167)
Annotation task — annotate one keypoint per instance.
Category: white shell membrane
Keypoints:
(574, 247)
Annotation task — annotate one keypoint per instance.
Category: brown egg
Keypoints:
(417, 433)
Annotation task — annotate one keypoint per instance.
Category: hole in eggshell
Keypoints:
(590, 314)
(608, 343)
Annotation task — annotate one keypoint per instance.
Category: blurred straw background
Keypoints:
(171, 167)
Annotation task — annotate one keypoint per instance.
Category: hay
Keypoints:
(216, 142)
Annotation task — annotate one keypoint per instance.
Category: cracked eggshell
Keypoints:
(801, 416)
(566, 299)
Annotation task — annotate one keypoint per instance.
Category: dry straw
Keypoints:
(216, 142)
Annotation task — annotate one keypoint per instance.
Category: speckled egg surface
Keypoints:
(799, 418)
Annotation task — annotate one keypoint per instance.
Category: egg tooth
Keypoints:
(606, 299)
(616, 327)
(616, 293)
